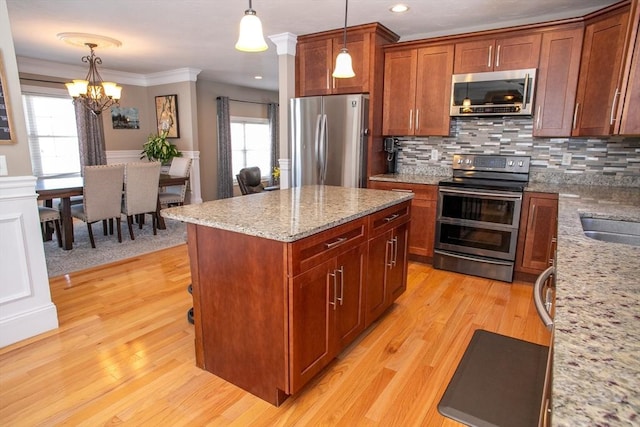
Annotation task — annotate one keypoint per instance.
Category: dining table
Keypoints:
(64, 188)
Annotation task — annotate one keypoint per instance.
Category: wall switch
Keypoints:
(566, 159)
(434, 154)
(3, 166)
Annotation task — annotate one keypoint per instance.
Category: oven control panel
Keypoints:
(492, 163)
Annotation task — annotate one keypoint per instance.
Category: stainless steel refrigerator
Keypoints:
(328, 140)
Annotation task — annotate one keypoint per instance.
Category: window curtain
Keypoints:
(274, 132)
(90, 137)
(225, 174)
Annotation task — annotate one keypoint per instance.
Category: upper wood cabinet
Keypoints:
(557, 81)
(628, 118)
(504, 53)
(600, 73)
(417, 91)
(316, 54)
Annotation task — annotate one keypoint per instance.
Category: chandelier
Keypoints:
(93, 93)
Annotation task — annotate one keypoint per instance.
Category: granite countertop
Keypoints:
(596, 365)
(596, 370)
(290, 214)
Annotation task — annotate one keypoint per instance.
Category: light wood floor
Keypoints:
(124, 354)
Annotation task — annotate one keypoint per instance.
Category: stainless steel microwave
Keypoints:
(495, 93)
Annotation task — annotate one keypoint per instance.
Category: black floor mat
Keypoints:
(498, 382)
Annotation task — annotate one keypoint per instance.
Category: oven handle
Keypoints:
(468, 258)
(501, 195)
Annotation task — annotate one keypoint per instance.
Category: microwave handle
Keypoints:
(526, 91)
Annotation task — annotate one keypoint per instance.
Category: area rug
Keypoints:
(107, 250)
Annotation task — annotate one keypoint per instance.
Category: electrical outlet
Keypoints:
(566, 159)
(434, 154)
(3, 166)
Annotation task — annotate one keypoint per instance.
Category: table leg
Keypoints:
(161, 224)
(67, 223)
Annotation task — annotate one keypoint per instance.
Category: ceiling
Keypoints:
(164, 35)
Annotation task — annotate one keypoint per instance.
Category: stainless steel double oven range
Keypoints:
(479, 215)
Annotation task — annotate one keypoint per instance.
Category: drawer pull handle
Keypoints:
(391, 218)
(338, 241)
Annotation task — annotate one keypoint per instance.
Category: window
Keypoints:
(250, 145)
(53, 138)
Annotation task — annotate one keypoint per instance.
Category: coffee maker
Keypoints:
(391, 147)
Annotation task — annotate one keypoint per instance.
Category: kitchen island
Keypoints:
(284, 280)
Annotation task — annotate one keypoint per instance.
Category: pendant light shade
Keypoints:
(344, 64)
(251, 38)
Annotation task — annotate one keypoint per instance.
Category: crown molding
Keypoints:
(66, 71)
(285, 43)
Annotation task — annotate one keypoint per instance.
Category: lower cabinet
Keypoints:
(538, 233)
(423, 216)
(326, 303)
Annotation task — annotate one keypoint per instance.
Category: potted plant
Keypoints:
(158, 148)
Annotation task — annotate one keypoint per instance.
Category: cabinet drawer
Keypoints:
(389, 218)
(420, 191)
(313, 250)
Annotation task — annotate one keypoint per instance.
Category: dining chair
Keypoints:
(175, 194)
(102, 197)
(250, 180)
(48, 215)
(141, 193)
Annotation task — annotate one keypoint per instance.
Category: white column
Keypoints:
(286, 48)
(26, 308)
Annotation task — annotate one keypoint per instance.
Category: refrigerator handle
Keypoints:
(323, 148)
(317, 146)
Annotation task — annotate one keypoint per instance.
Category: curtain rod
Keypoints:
(249, 102)
(41, 81)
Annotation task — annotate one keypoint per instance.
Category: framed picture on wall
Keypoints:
(6, 135)
(167, 115)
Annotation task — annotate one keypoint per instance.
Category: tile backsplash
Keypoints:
(615, 157)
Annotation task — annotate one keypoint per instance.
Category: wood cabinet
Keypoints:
(423, 216)
(628, 119)
(326, 304)
(538, 233)
(417, 91)
(557, 81)
(316, 54)
(508, 52)
(387, 268)
(600, 73)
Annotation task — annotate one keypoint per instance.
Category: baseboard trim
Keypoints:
(27, 324)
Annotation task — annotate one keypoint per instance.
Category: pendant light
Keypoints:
(344, 66)
(251, 38)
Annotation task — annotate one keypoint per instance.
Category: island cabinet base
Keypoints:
(270, 315)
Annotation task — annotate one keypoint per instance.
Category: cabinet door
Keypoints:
(314, 67)
(474, 56)
(513, 53)
(399, 92)
(359, 48)
(350, 286)
(600, 75)
(397, 274)
(422, 230)
(557, 82)
(541, 232)
(433, 90)
(312, 345)
(630, 121)
(376, 292)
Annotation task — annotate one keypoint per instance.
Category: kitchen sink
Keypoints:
(611, 230)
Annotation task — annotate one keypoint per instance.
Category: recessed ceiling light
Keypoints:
(399, 8)
(257, 77)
